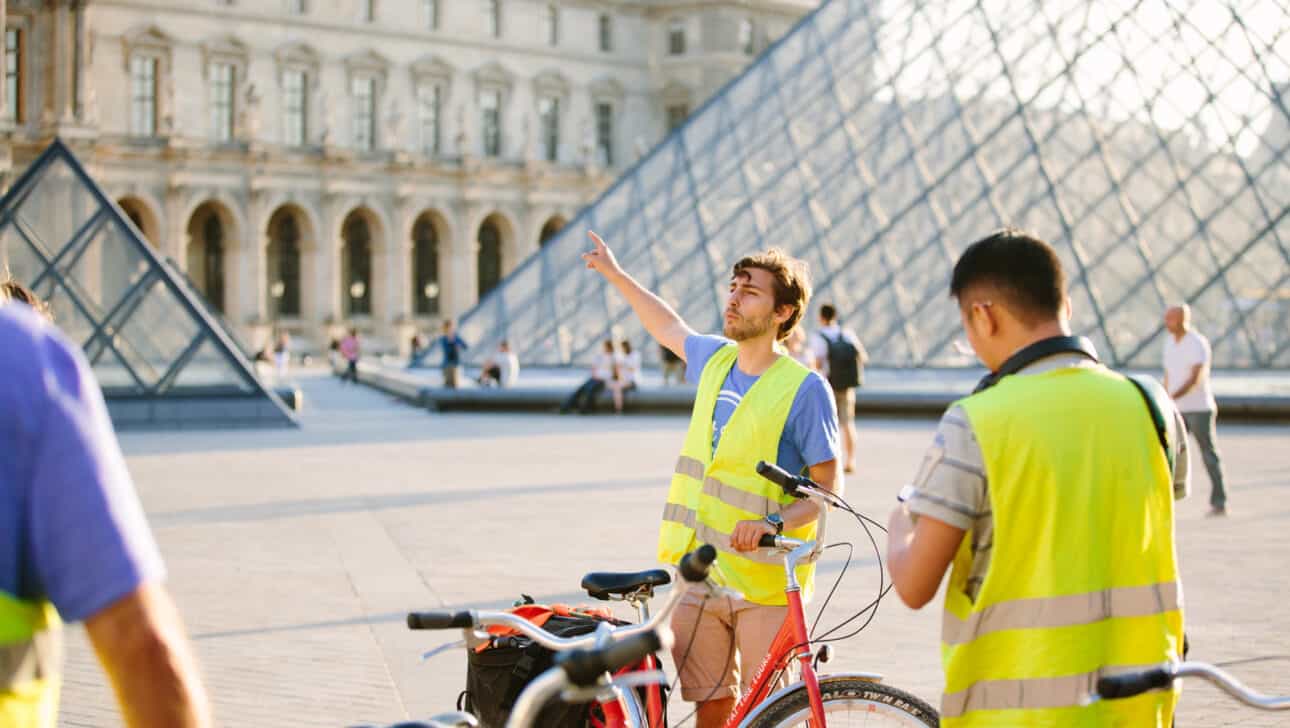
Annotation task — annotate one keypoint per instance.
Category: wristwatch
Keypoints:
(777, 521)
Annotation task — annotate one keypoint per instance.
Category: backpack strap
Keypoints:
(1153, 394)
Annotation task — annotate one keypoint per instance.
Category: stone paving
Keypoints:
(294, 555)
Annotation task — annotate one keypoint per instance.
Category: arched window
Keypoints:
(283, 258)
(425, 267)
(550, 230)
(356, 266)
(490, 256)
(206, 255)
(213, 249)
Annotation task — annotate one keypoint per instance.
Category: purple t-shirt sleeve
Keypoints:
(699, 348)
(88, 538)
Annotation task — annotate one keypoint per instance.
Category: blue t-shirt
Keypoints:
(810, 434)
(71, 527)
(452, 346)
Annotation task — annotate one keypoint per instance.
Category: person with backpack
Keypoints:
(840, 357)
(753, 403)
(1049, 496)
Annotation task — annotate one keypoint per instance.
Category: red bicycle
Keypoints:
(819, 701)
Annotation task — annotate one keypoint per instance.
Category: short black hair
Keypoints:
(1024, 269)
(828, 312)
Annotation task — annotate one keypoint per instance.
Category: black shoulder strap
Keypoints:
(1039, 350)
(1151, 391)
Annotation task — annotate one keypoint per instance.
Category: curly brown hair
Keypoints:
(792, 283)
(12, 290)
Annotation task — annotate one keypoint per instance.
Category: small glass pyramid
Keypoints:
(156, 351)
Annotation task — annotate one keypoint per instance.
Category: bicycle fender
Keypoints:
(823, 679)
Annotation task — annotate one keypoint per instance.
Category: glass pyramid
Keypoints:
(1149, 140)
(159, 356)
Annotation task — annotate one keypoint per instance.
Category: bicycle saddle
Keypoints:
(603, 584)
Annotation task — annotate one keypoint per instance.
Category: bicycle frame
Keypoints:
(790, 643)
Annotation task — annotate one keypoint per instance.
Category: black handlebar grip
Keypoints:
(1133, 683)
(439, 619)
(781, 477)
(775, 474)
(694, 565)
(584, 667)
(767, 541)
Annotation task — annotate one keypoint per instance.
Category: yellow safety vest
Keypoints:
(30, 651)
(1083, 580)
(711, 492)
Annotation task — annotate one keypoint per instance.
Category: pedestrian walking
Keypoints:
(1187, 359)
(350, 351)
(452, 345)
(841, 357)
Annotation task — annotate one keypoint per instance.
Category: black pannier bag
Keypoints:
(496, 676)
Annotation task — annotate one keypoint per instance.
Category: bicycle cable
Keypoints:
(1248, 660)
(871, 607)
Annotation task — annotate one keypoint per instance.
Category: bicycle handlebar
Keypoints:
(694, 565)
(439, 619)
(1133, 683)
(584, 667)
(1136, 683)
(792, 484)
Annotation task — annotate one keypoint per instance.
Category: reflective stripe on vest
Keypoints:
(33, 659)
(30, 653)
(1033, 694)
(1083, 577)
(1063, 611)
(711, 492)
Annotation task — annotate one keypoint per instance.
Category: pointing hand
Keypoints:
(601, 258)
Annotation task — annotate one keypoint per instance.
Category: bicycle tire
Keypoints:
(894, 707)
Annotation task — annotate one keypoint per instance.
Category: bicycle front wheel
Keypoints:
(851, 703)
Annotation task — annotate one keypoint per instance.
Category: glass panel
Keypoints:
(56, 208)
(209, 370)
(103, 271)
(158, 329)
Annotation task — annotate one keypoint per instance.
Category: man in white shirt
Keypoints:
(844, 383)
(1187, 360)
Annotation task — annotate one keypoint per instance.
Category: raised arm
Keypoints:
(659, 319)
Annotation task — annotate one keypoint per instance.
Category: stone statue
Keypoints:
(250, 111)
(326, 120)
(587, 146)
(527, 148)
(169, 107)
(90, 107)
(393, 125)
(463, 134)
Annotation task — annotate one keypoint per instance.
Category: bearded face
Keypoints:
(739, 327)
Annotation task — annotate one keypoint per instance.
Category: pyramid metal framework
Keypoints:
(1148, 140)
(159, 355)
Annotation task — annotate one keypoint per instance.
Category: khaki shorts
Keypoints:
(731, 637)
(846, 401)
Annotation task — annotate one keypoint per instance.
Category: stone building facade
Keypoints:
(315, 165)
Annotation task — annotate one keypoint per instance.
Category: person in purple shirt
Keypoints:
(73, 534)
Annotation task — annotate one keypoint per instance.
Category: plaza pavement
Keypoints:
(294, 555)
